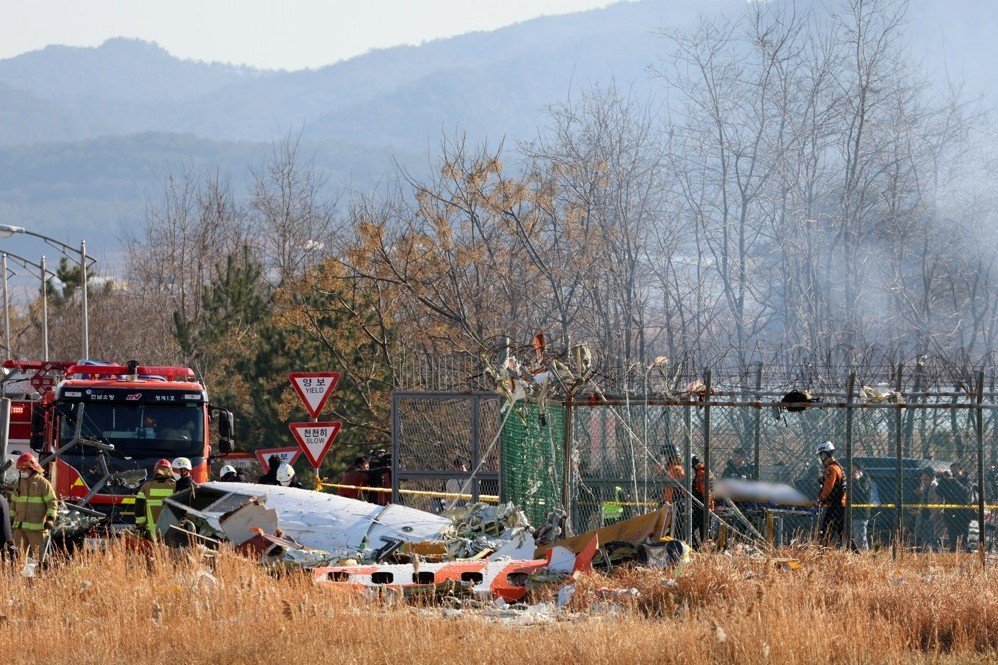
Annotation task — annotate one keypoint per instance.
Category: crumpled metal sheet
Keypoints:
(503, 530)
(73, 521)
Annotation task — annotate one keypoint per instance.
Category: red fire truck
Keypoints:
(100, 428)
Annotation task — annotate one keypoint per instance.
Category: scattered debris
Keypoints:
(873, 395)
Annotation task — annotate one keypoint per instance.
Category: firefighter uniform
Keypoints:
(703, 495)
(832, 499)
(674, 477)
(149, 501)
(34, 505)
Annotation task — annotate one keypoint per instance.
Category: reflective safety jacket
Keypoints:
(33, 502)
(703, 489)
(833, 485)
(149, 501)
(614, 510)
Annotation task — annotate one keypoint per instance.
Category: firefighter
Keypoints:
(182, 467)
(832, 497)
(34, 506)
(703, 499)
(672, 495)
(286, 476)
(149, 499)
(674, 474)
(229, 474)
(270, 477)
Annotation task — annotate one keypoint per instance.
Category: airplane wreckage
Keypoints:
(471, 551)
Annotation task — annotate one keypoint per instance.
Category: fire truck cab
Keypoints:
(100, 428)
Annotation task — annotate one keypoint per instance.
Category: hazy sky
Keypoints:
(290, 34)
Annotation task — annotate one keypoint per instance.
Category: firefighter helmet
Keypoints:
(826, 447)
(226, 470)
(285, 474)
(181, 463)
(28, 462)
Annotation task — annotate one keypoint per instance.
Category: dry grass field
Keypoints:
(120, 608)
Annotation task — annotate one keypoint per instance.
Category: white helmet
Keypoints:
(226, 470)
(826, 447)
(285, 474)
(181, 463)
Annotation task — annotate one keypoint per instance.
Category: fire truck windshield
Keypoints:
(139, 430)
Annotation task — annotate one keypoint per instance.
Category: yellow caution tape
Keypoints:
(913, 506)
(488, 498)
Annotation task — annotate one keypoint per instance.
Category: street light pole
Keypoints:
(6, 309)
(7, 230)
(45, 311)
(42, 270)
(86, 312)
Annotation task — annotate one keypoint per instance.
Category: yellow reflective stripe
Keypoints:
(154, 502)
(161, 492)
(128, 500)
(31, 499)
(31, 526)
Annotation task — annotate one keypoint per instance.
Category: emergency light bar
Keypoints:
(166, 371)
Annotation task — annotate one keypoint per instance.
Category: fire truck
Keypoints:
(100, 428)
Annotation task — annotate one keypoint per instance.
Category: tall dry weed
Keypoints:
(116, 607)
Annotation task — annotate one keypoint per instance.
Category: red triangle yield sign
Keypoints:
(314, 388)
(315, 439)
(288, 455)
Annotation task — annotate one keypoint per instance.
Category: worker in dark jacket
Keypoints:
(182, 472)
(738, 466)
(6, 537)
(270, 477)
(832, 496)
(862, 495)
(956, 516)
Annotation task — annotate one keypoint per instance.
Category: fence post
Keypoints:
(850, 387)
(476, 448)
(688, 477)
(566, 472)
(980, 468)
(758, 416)
(705, 526)
(899, 504)
(395, 448)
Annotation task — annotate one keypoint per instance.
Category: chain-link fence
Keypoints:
(917, 466)
(915, 469)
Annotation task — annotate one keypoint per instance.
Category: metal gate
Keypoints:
(433, 434)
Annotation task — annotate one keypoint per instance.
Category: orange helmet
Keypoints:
(28, 462)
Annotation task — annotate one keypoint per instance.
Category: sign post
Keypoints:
(315, 438)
